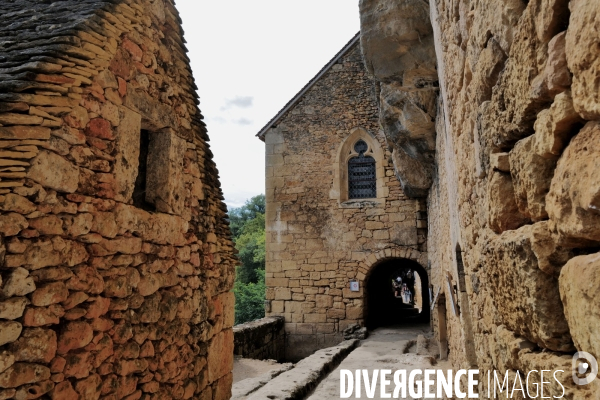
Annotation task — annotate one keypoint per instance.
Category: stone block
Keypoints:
(551, 257)
(13, 308)
(324, 301)
(582, 57)
(532, 175)
(503, 213)
(22, 374)
(12, 223)
(315, 318)
(9, 331)
(282, 294)
(579, 286)
(35, 345)
(51, 293)
(336, 313)
(573, 202)
(52, 171)
(19, 283)
(19, 204)
(220, 355)
(555, 127)
(527, 299)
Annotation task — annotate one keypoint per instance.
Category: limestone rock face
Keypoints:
(513, 273)
(397, 44)
(503, 212)
(531, 175)
(519, 84)
(583, 58)
(579, 287)
(573, 202)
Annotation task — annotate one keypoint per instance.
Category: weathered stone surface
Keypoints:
(6, 360)
(532, 176)
(579, 288)
(51, 293)
(396, 37)
(397, 44)
(43, 316)
(555, 127)
(583, 57)
(52, 171)
(127, 158)
(9, 331)
(500, 162)
(574, 200)
(19, 283)
(503, 212)
(513, 273)
(64, 391)
(23, 373)
(35, 345)
(220, 355)
(13, 308)
(75, 335)
(551, 257)
(19, 204)
(12, 223)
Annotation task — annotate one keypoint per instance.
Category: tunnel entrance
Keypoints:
(397, 291)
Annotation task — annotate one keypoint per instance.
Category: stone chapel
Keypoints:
(336, 213)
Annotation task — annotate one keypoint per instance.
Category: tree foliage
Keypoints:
(247, 224)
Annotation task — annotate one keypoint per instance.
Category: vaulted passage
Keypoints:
(397, 291)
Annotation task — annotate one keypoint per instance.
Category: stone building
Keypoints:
(335, 212)
(512, 186)
(116, 262)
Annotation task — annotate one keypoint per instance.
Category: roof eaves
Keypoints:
(307, 87)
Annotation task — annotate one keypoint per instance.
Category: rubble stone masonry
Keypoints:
(317, 239)
(116, 263)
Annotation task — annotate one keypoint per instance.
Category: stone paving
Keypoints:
(393, 348)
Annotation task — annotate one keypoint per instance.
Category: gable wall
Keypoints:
(314, 245)
(99, 297)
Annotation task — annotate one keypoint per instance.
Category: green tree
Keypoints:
(251, 249)
(250, 299)
(240, 215)
(247, 224)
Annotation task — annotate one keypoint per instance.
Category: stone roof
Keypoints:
(309, 85)
(34, 32)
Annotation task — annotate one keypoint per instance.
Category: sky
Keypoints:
(249, 58)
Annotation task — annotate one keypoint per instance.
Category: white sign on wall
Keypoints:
(354, 286)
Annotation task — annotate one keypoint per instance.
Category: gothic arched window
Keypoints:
(362, 179)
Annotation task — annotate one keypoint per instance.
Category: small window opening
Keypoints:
(460, 266)
(362, 180)
(139, 190)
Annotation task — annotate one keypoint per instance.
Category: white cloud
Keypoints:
(263, 50)
(238, 101)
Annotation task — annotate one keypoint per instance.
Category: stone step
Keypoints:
(297, 382)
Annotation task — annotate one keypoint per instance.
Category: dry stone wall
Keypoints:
(262, 339)
(316, 239)
(116, 262)
(513, 220)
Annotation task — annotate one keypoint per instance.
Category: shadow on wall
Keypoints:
(397, 291)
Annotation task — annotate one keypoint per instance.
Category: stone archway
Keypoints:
(384, 300)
